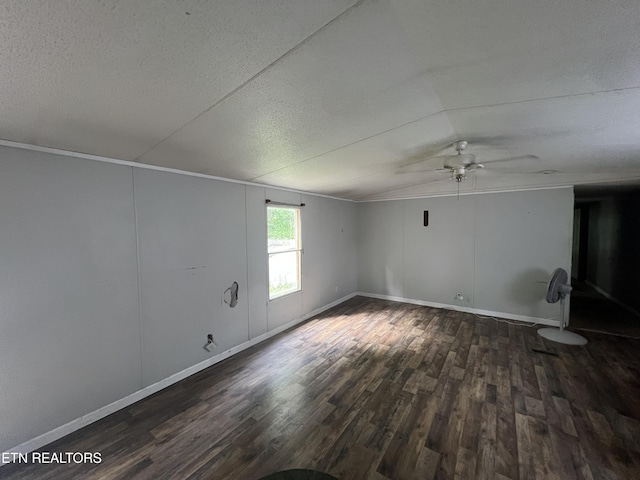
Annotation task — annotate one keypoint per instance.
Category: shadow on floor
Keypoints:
(592, 311)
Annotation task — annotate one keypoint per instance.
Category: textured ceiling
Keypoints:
(332, 96)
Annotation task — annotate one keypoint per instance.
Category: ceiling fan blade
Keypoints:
(465, 159)
(468, 160)
(420, 171)
(426, 165)
(474, 166)
(515, 172)
(435, 150)
(427, 151)
(517, 138)
(519, 158)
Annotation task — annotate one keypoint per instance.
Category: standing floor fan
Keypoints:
(557, 290)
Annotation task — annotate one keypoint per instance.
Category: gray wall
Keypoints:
(69, 333)
(614, 256)
(112, 277)
(498, 250)
(328, 272)
(192, 234)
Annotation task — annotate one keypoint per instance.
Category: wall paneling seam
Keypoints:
(139, 279)
(475, 247)
(246, 256)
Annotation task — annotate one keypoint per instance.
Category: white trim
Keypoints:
(488, 313)
(620, 303)
(98, 158)
(482, 192)
(78, 423)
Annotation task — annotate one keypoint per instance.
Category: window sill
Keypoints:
(275, 299)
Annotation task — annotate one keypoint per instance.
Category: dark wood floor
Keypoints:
(381, 390)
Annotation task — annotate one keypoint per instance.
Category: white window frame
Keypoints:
(298, 249)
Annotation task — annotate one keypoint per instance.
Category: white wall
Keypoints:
(256, 260)
(521, 238)
(192, 235)
(112, 275)
(81, 329)
(69, 333)
(329, 255)
(328, 272)
(380, 238)
(498, 249)
(438, 259)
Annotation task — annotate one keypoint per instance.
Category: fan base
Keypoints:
(562, 336)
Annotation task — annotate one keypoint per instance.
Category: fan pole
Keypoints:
(560, 335)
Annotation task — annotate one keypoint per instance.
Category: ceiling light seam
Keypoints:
(251, 79)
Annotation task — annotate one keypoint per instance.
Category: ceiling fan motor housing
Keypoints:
(461, 145)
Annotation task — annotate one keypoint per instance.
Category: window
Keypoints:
(284, 248)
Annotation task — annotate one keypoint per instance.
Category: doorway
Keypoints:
(604, 268)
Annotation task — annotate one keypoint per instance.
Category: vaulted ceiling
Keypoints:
(332, 96)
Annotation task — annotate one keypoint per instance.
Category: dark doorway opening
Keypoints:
(605, 267)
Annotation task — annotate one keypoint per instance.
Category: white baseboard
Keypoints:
(620, 303)
(78, 423)
(477, 311)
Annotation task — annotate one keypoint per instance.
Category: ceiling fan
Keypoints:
(461, 163)
(458, 164)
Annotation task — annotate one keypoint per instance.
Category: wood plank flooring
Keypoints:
(378, 390)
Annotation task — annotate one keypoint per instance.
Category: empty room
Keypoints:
(319, 239)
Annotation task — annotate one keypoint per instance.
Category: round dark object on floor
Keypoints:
(299, 475)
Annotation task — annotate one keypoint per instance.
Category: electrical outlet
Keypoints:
(211, 343)
(459, 296)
